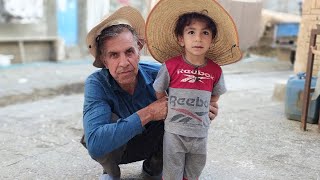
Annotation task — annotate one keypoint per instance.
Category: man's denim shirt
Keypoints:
(104, 100)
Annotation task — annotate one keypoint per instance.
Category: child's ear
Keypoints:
(180, 41)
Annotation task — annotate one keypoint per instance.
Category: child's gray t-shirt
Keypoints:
(190, 89)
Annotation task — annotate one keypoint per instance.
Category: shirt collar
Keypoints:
(144, 79)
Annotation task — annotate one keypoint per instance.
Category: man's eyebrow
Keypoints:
(130, 49)
(112, 52)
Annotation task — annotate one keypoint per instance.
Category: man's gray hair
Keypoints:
(113, 31)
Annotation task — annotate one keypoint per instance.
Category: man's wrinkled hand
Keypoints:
(159, 109)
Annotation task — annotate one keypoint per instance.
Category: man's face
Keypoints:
(121, 57)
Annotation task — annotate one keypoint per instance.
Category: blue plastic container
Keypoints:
(287, 30)
(294, 99)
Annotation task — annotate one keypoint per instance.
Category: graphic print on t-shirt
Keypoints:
(192, 76)
(182, 106)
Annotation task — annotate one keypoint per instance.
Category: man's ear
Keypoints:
(103, 61)
(141, 43)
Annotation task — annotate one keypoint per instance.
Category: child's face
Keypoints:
(196, 39)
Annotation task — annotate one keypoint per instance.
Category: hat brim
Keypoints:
(128, 14)
(162, 43)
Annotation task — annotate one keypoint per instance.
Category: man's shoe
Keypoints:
(108, 177)
(154, 171)
(147, 175)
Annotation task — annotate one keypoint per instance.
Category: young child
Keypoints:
(191, 74)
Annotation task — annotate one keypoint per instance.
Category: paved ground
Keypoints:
(41, 124)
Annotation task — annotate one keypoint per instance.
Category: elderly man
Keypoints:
(122, 120)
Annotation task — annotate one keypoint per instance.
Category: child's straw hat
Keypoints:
(161, 40)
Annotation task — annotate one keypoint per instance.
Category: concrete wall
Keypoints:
(40, 41)
(46, 27)
(247, 18)
(31, 42)
(285, 6)
(79, 50)
(82, 32)
(310, 17)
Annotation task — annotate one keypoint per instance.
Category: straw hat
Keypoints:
(124, 15)
(163, 44)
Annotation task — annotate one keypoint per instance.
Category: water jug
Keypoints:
(294, 99)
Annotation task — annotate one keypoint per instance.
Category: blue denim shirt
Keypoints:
(104, 100)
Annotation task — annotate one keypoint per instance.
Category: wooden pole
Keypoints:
(306, 92)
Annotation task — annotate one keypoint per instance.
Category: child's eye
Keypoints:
(190, 32)
(206, 33)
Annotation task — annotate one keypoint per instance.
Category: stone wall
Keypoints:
(310, 17)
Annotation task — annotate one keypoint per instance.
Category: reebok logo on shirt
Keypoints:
(191, 102)
(194, 75)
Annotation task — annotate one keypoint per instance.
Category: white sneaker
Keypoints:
(108, 177)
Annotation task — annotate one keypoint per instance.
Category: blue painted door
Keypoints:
(67, 21)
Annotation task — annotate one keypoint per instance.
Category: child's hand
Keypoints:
(213, 110)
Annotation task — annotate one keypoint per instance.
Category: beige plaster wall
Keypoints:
(310, 17)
